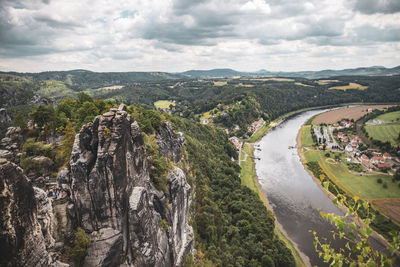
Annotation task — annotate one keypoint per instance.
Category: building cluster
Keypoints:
(236, 142)
(372, 159)
(255, 125)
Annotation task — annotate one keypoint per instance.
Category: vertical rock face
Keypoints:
(25, 220)
(131, 223)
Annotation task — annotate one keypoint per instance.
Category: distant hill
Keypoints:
(366, 71)
(212, 73)
(84, 79)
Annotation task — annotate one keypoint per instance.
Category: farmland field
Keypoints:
(366, 186)
(302, 84)
(220, 83)
(349, 86)
(355, 113)
(384, 132)
(163, 104)
(389, 117)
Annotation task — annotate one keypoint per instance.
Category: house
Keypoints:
(364, 157)
(349, 148)
(384, 165)
(387, 156)
(356, 140)
(255, 125)
(236, 142)
(377, 160)
(367, 164)
(340, 135)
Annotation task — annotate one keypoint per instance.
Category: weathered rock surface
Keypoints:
(11, 144)
(129, 221)
(4, 118)
(25, 221)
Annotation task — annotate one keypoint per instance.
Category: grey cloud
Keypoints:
(53, 23)
(177, 33)
(370, 33)
(376, 6)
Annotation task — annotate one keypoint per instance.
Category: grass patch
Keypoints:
(384, 132)
(220, 83)
(364, 186)
(389, 117)
(306, 139)
(248, 173)
(163, 104)
(349, 86)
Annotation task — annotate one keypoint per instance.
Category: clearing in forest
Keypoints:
(349, 86)
(163, 104)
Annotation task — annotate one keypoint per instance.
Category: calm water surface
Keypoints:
(293, 194)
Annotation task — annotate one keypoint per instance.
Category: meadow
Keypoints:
(384, 132)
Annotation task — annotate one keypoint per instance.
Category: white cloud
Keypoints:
(176, 35)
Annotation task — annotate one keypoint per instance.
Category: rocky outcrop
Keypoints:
(25, 220)
(4, 118)
(129, 221)
(11, 144)
(38, 100)
(170, 144)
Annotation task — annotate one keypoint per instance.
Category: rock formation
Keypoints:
(112, 197)
(129, 221)
(25, 220)
(4, 118)
(11, 144)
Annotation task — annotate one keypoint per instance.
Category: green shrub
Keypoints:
(33, 148)
(159, 165)
(379, 181)
(81, 244)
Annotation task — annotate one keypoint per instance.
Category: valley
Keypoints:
(239, 159)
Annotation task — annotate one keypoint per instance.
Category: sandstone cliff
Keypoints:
(26, 215)
(129, 221)
(110, 195)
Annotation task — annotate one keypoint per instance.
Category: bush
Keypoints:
(33, 148)
(81, 244)
(327, 155)
(385, 185)
(379, 181)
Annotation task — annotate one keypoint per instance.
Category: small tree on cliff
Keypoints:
(67, 142)
(81, 244)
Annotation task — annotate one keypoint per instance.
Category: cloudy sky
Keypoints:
(177, 35)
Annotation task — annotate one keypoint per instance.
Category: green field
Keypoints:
(220, 83)
(163, 104)
(389, 117)
(384, 132)
(366, 186)
(306, 139)
(349, 86)
(247, 172)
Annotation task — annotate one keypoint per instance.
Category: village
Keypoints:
(342, 137)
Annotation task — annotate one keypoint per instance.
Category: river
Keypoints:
(294, 196)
